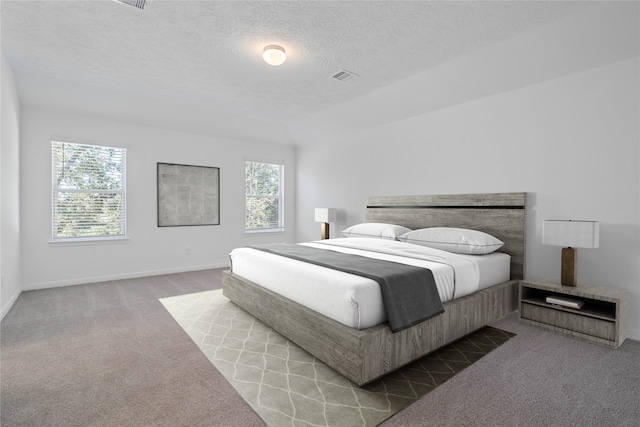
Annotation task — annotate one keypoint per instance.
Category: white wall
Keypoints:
(10, 192)
(571, 143)
(600, 34)
(150, 250)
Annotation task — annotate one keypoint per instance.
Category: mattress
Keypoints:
(356, 301)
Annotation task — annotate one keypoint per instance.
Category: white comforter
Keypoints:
(356, 301)
(460, 278)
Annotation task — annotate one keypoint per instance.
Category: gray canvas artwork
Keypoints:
(188, 195)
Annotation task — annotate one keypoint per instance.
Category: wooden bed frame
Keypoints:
(364, 355)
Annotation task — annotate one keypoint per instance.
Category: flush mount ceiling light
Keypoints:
(274, 55)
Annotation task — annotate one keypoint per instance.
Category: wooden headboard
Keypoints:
(500, 214)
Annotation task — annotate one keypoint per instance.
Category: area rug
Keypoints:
(287, 386)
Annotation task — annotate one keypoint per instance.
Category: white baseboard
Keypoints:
(96, 279)
(10, 303)
(634, 334)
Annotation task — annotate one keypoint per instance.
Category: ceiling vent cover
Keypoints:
(345, 76)
(135, 3)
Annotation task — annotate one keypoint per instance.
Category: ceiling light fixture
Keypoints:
(274, 55)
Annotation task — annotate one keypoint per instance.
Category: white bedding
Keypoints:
(357, 301)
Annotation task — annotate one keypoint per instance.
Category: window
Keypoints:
(263, 196)
(88, 192)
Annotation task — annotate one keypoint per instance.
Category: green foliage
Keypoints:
(88, 215)
(88, 167)
(262, 188)
(89, 191)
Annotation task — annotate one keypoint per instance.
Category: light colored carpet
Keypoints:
(286, 385)
(110, 354)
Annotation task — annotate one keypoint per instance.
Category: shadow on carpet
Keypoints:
(286, 385)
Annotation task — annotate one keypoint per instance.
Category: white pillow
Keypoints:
(456, 240)
(375, 229)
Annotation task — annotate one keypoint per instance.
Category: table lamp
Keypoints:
(571, 235)
(325, 216)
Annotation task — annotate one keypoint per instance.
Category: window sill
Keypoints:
(269, 231)
(88, 242)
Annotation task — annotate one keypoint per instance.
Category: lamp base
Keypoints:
(324, 231)
(569, 274)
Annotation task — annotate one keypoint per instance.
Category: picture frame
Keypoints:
(188, 195)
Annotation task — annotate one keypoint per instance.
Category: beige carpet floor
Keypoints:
(110, 354)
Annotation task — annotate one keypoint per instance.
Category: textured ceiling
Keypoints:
(208, 53)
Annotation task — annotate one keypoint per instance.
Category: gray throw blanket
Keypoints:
(409, 293)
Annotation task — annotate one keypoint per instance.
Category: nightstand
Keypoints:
(603, 319)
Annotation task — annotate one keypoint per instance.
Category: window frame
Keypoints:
(55, 190)
(280, 197)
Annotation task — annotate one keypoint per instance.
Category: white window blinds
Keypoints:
(263, 196)
(89, 199)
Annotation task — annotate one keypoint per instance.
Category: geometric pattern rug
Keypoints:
(287, 386)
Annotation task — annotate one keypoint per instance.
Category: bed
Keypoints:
(363, 354)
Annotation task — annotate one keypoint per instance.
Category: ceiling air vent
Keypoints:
(345, 76)
(135, 3)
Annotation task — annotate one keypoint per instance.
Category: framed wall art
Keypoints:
(188, 195)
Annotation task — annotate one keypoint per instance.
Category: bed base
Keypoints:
(364, 355)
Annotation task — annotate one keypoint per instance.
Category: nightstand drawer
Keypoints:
(570, 321)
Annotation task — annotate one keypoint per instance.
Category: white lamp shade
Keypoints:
(274, 55)
(575, 234)
(326, 215)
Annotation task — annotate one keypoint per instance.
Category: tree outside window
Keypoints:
(263, 196)
(88, 191)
